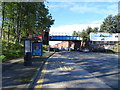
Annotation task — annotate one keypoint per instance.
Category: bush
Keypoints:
(16, 46)
(103, 50)
(2, 58)
(98, 50)
(118, 43)
(14, 54)
(14, 51)
(109, 51)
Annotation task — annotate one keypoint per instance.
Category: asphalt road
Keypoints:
(79, 70)
(103, 66)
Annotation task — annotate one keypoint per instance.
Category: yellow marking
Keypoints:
(65, 67)
(70, 68)
(41, 80)
(36, 56)
(43, 71)
(61, 68)
(38, 86)
(46, 63)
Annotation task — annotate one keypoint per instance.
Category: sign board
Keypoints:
(37, 49)
(27, 46)
(103, 36)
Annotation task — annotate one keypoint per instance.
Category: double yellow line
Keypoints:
(41, 80)
(66, 68)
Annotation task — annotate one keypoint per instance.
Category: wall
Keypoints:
(68, 44)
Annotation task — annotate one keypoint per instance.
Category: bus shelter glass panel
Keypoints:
(27, 46)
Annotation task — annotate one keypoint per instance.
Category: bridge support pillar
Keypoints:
(77, 45)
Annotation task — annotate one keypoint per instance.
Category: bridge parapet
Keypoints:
(60, 34)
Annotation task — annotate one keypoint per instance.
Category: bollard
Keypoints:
(28, 59)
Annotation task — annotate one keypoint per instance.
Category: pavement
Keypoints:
(15, 75)
(61, 72)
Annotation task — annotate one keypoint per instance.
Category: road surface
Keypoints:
(79, 70)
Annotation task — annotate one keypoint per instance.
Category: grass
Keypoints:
(21, 61)
(44, 51)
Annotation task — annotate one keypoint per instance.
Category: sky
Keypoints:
(76, 16)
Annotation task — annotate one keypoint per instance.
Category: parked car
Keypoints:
(85, 50)
(54, 49)
(51, 49)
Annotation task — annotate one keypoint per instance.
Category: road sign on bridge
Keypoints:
(65, 38)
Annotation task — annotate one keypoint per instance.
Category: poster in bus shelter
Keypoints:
(37, 49)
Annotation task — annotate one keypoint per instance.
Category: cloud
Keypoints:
(83, 1)
(84, 8)
(68, 29)
(98, 9)
(97, 22)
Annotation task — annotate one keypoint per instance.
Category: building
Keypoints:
(68, 44)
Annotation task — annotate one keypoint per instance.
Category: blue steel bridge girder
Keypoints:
(65, 38)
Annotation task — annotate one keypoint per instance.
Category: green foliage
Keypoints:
(85, 33)
(119, 43)
(23, 18)
(3, 58)
(12, 54)
(75, 33)
(110, 24)
(103, 50)
(13, 51)
(45, 47)
(19, 19)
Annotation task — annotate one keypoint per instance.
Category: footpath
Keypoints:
(17, 76)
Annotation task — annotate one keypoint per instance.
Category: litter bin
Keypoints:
(28, 59)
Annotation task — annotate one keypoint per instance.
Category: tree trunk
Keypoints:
(2, 30)
(8, 35)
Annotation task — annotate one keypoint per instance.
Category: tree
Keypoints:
(96, 29)
(110, 24)
(85, 35)
(19, 19)
(23, 18)
(74, 33)
(89, 30)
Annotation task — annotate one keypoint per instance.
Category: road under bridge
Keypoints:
(72, 40)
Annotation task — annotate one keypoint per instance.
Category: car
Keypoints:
(85, 50)
(54, 49)
(51, 49)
